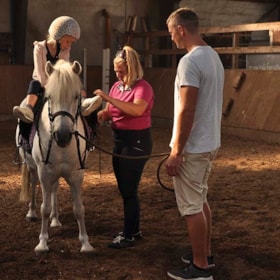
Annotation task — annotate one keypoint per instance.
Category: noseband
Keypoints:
(64, 113)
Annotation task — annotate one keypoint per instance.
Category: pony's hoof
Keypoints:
(32, 219)
(88, 250)
(55, 223)
(40, 253)
(41, 249)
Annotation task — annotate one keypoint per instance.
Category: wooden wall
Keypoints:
(251, 97)
(14, 80)
(254, 112)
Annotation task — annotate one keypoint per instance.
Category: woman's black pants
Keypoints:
(128, 172)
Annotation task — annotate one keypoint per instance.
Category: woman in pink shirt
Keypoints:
(128, 107)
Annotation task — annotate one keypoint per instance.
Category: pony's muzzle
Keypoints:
(62, 137)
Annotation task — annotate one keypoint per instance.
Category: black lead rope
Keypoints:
(118, 155)
(165, 155)
(158, 175)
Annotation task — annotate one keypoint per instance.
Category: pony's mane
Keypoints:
(63, 84)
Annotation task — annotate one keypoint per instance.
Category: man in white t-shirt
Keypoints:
(196, 137)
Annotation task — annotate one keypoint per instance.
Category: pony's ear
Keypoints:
(49, 68)
(76, 67)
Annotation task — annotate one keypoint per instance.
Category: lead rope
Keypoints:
(158, 176)
(118, 155)
(165, 155)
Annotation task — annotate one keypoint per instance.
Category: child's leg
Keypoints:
(25, 111)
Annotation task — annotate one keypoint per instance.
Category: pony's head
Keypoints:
(64, 82)
(63, 93)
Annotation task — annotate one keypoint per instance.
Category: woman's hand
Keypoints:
(134, 109)
(103, 116)
(101, 93)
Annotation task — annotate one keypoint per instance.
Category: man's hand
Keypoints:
(172, 164)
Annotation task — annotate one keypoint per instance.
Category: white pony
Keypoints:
(58, 150)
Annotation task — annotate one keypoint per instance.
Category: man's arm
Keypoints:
(185, 115)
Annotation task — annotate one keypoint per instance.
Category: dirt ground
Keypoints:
(244, 196)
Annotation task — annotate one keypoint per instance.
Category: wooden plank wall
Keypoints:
(255, 109)
(254, 94)
(162, 81)
(14, 80)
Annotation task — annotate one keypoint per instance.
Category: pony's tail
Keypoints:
(25, 184)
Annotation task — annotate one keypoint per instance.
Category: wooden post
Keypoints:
(148, 62)
(235, 57)
(107, 42)
(106, 70)
(85, 68)
(274, 37)
(130, 30)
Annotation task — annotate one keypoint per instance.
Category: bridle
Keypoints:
(74, 119)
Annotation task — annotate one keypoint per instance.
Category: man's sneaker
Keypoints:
(187, 259)
(89, 105)
(121, 242)
(137, 235)
(191, 273)
(24, 113)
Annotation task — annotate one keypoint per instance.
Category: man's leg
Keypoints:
(197, 229)
(208, 215)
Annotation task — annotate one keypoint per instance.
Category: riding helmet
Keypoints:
(64, 25)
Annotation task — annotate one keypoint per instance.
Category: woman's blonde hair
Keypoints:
(127, 55)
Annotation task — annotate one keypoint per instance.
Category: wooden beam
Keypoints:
(217, 30)
(220, 50)
(248, 50)
(241, 28)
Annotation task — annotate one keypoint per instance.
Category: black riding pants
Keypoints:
(128, 172)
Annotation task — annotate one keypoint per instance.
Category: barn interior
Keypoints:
(246, 35)
(243, 189)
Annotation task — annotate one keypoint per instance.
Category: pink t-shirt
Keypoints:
(140, 90)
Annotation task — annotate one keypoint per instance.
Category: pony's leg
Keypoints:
(32, 213)
(54, 212)
(45, 213)
(79, 212)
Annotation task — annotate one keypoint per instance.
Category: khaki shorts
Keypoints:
(191, 185)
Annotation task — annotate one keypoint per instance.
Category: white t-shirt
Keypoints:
(203, 69)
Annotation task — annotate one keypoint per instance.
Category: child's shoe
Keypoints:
(24, 113)
(89, 105)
